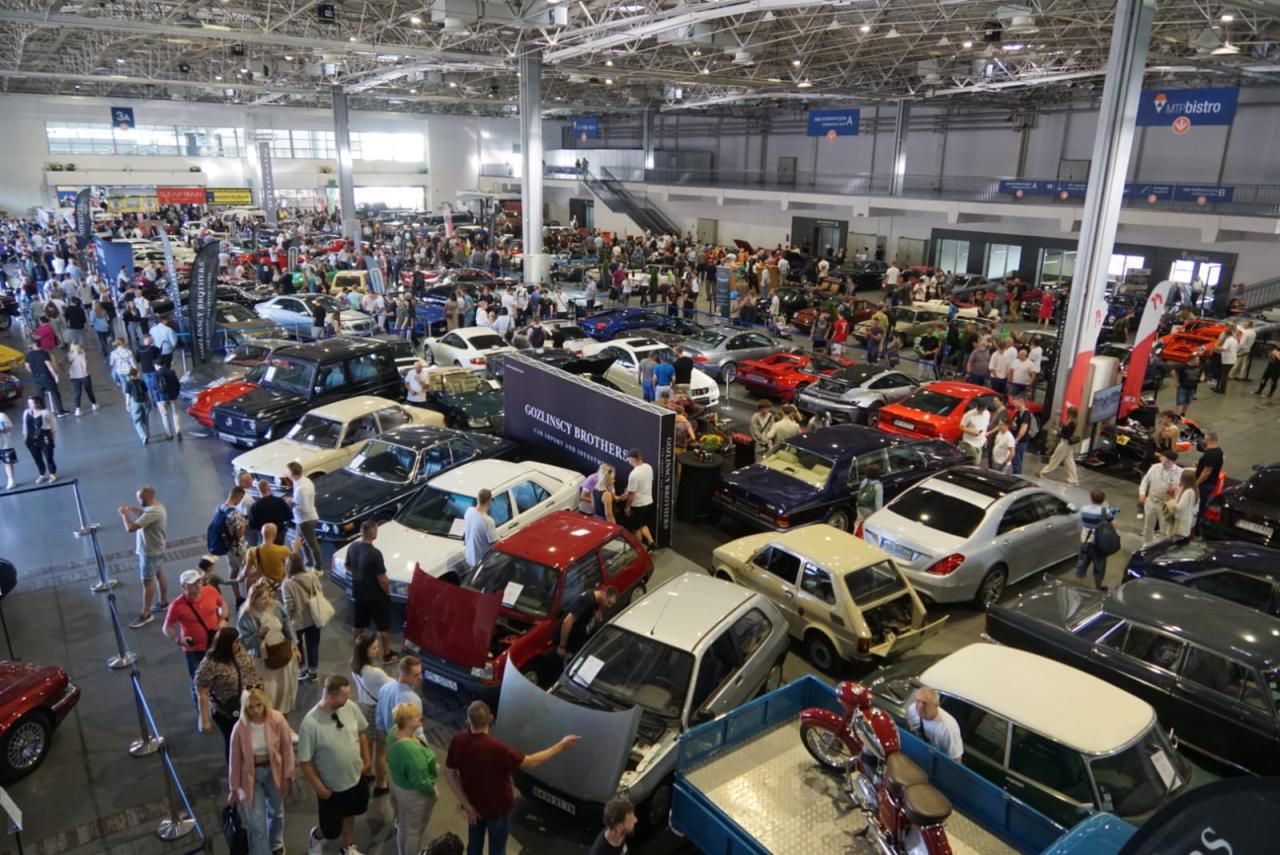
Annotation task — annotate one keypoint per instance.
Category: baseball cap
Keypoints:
(190, 577)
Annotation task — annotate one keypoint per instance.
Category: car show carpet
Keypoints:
(775, 791)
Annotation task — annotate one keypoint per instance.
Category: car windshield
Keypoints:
(934, 403)
(938, 511)
(462, 383)
(1264, 488)
(236, 314)
(486, 342)
(662, 354)
(875, 582)
(527, 586)
(631, 669)
(317, 431)
(385, 461)
(710, 338)
(292, 375)
(818, 364)
(435, 511)
(330, 305)
(248, 352)
(567, 333)
(1190, 550)
(1141, 777)
(812, 469)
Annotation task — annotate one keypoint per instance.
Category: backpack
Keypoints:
(217, 538)
(867, 494)
(1105, 538)
(1033, 425)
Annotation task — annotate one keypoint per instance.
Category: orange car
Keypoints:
(935, 409)
(1195, 335)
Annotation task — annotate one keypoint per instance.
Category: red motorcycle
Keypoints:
(903, 812)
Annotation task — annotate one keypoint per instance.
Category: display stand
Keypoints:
(14, 814)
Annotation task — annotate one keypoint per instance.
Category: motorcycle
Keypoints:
(904, 814)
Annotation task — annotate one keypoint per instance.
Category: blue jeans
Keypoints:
(1019, 449)
(310, 644)
(194, 658)
(647, 389)
(266, 814)
(1089, 555)
(497, 830)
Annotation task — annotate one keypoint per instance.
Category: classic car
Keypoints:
(237, 324)
(329, 437)
(10, 388)
(466, 399)
(604, 325)
(1026, 728)
(389, 470)
(935, 409)
(34, 699)
(814, 477)
(866, 275)
(913, 321)
(856, 393)
(1210, 667)
(719, 350)
(512, 601)
(790, 301)
(842, 598)
(967, 533)
(1248, 511)
(466, 347)
(565, 335)
(624, 373)
(208, 399)
(427, 532)
(234, 366)
(293, 312)
(301, 377)
(1199, 336)
(858, 310)
(10, 359)
(1236, 571)
(244, 292)
(785, 375)
(688, 651)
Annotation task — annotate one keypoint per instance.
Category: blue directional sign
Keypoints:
(1183, 109)
(122, 118)
(587, 127)
(842, 122)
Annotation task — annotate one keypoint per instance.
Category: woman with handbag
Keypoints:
(307, 607)
(268, 636)
(369, 680)
(414, 772)
(260, 771)
(221, 678)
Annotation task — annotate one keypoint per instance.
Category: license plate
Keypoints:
(451, 685)
(900, 423)
(550, 799)
(1122, 439)
(226, 437)
(895, 549)
(1256, 528)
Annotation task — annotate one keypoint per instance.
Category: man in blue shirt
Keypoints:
(664, 374)
(392, 695)
(1092, 515)
(478, 530)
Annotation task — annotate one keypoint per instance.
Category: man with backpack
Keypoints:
(1099, 539)
(870, 496)
(225, 536)
(167, 394)
(1026, 427)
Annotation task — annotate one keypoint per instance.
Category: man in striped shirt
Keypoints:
(1091, 516)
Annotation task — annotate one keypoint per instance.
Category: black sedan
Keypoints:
(1248, 511)
(390, 470)
(790, 301)
(865, 275)
(1240, 572)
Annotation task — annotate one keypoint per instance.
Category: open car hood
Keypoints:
(742, 244)
(591, 770)
(450, 621)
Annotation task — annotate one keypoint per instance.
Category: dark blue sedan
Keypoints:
(814, 477)
(605, 325)
(1236, 571)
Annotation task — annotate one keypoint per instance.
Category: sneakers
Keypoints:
(350, 850)
(94, 407)
(40, 479)
(315, 843)
(141, 620)
(159, 607)
(51, 478)
(11, 484)
(63, 414)
(77, 412)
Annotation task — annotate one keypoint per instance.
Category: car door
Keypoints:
(531, 499)
(773, 572)
(1015, 545)
(816, 602)
(449, 348)
(985, 737)
(622, 373)
(294, 312)
(903, 466)
(1139, 660)
(622, 567)
(502, 509)
(1049, 776)
(1059, 528)
(1220, 705)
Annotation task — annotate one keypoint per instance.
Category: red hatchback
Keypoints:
(33, 700)
(509, 607)
(782, 375)
(935, 409)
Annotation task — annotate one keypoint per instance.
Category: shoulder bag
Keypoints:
(318, 604)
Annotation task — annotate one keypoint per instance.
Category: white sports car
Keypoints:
(329, 437)
(624, 373)
(468, 347)
(427, 532)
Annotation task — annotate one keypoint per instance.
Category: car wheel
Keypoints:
(773, 679)
(658, 812)
(820, 651)
(992, 587)
(872, 414)
(25, 746)
(458, 362)
(795, 394)
(720, 574)
(729, 372)
(839, 518)
(630, 597)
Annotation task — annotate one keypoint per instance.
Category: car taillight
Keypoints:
(699, 359)
(1213, 513)
(864, 645)
(601, 325)
(477, 360)
(857, 532)
(946, 566)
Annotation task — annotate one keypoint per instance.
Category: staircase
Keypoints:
(1260, 295)
(618, 199)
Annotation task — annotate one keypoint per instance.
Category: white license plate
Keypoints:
(451, 685)
(550, 799)
(895, 549)
(900, 423)
(226, 437)
(1256, 528)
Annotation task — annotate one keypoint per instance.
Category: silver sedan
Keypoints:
(968, 533)
(717, 351)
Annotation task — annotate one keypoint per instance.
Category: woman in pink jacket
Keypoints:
(261, 770)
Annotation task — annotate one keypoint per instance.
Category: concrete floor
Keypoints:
(91, 796)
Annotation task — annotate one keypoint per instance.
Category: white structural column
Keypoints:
(537, 264)
(1117, 114)
(346, 180)
(901, 126)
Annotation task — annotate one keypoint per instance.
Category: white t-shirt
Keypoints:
(1229, 349)
(417, 392)
(640, 482)
(941, 731)
(978, 420)
(1036, 358)
(891, 275)
(6, 431)
(1020, 371)
(304, 500)
(1002, 448)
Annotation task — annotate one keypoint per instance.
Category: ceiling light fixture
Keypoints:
(966, 44)
(796, 63)
(608, 81)
(453, 84)
(76, 87)
(415, 20)
(351, 38)
(1227, 18)
(119, 60)
(775, 79)
(865, 28)
(288, 57)
(608, 63)
(706, 71)
(217, 77)
(804, 84)
(697, 51)
(892, 34)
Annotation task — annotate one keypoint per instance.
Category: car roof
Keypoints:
(859, 373)
(558, 539)
(330, 348)
(470, 478)
(1033, 692)
(418, 437)
(957, 389)
(466, 333)
(684, 610)
(1220, 625)
(842, 442)
(986, 483)
(830, 548)
(638, 343)
(349, 408)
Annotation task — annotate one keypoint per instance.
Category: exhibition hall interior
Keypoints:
(639, 426)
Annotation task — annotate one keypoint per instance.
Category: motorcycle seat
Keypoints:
(901, 771)
(924, 805)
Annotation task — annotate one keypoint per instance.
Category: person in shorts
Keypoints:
(370, 588)
(146, 522)
(333, 753)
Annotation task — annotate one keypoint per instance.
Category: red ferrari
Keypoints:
(783, 375)
(935, 409)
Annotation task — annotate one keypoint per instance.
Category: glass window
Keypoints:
(392, 417)
(500, 509)
(1002, 260)
(582, 576)
(618, 555)
(1049, 764)
(317, 431)
(874, 582)
(142, 140)
(499, 569)
(364, 367)
(859, 467)
(1093, 630)
(939, 511)
(462, 449)
(329, 377)
(361, 429)
(1237, 587)
(902, 457)
(1120, 265)
(289, 374)
(402, 147)
(1223, 676)
(1182, 271)
(385, 461)
(717, 666)
(982, 732)
(816, 582)
(637, 670)
(1141, 777)
(528, 494)
(780, 563)
(953, 255)
(1021, 512)
(1152, 647)
(750, 631)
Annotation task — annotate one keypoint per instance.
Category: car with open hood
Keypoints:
(467, 400)
(514, 600)
(427, 532)
(842, 598)
(688, 651)
(814, 477)
(1198, 337)
(856, 393)
(1248, 511)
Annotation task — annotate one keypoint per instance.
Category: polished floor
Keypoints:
(91, 796)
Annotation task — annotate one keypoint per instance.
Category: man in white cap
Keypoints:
(192, 619)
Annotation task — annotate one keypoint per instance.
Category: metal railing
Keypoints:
(1261, 295)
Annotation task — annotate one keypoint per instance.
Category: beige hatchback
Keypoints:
(841, 596)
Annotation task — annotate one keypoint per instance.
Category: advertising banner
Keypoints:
(1150, 192)
(171, 270)
(841, 123)
(1037, 187)
(586, 128)
(66, 195)
(122, 118)
(1200, 193)
(180, 195)
(202, 299)
(1180, 109)
(268, 181)
(724, 289)
(228, 196)
(1148, 326)
(84, 218)
(111, 257)
(133, 203)
(579, 424)
(1203, 193)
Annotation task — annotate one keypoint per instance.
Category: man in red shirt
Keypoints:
(192, 619)
(478, 770)
(839, 334)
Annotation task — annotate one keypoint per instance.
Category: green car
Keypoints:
(468, 401)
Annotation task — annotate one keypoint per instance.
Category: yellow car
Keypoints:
(10, 359)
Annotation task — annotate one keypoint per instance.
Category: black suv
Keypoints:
(304, 376)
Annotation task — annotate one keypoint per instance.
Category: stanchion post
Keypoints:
(149, 742)
(124, 657)
(104, 583)
(178, 823)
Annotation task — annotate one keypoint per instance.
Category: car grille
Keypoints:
(231, 423)
(497, 423)
(361, 326)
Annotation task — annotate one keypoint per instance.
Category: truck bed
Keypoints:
(777, 793)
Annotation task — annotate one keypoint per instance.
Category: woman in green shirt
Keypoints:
(413, 772)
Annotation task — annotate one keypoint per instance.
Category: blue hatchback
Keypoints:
(1241, 572)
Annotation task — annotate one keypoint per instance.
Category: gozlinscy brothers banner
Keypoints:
(202, 301)
(84, 218)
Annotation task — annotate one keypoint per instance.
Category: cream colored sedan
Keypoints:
(842, 597)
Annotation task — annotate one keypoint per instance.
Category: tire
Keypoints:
(773, 679)
(992, 587)
(820, 652)
(5, 320)
(630, 597)
(795, 393)
(825, 747)
(458, 362)
(840, 518)
(657, 810)
(25, 746)
(729, 372)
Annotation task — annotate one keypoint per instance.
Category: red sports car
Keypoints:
(202, 409)
(783, 375)
(935, 409)
(1195, 336)
(509, 608)
(33, 700)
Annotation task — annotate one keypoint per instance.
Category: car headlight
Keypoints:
(478, 421)
(251, 424)
(339, 566)
(485, 673)
(351, 526)
(399, 588)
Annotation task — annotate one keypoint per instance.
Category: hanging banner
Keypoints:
(133, 203)
(586, 128)
(268, 181)
(66, 195)
(172, 270)
(202, 300)
(841, 123)
(1180, 109)
(1148, 326)
(1202, 194)
(180, 195)
(1150, 192)
(1094, 314)
(228, 196)
(122, 118)
(84, 218)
